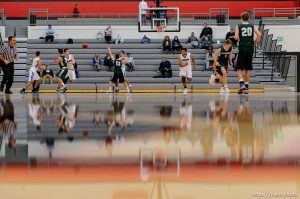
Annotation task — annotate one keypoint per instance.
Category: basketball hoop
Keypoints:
(160, 28)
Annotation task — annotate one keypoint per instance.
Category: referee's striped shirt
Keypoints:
(9, 52)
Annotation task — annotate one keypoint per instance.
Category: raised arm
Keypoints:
(110, 54)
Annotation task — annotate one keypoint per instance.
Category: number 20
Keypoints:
(246, 32)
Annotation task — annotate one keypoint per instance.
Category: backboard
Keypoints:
(160, 19)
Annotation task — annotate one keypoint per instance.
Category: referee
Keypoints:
(8, 54)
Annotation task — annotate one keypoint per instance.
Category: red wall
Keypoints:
(20, 9)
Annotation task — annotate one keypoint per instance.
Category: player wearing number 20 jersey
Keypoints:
(245, 32)
(246, 46)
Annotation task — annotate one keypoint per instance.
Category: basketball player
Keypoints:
(118, 73)
(185, 61)
(124, 61)
(223, 57)
(69, 59)
(33, 77)
(244, 32)
(62, 74)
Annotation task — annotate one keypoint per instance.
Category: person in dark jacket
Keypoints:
(47, 74)
(165, 68)
(176, 46)
(206, 34)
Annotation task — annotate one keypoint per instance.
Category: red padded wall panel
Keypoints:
(20, 9)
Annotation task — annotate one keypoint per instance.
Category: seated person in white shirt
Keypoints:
(49, 34)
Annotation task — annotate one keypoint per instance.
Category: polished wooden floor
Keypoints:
(140, 146)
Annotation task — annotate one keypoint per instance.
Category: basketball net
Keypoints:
(160, 28)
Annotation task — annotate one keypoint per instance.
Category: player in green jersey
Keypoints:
(244, 32)
(223, 60)
(118, 76)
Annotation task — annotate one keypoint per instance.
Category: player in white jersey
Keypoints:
(124, 61)
(70, 65)
(185, 61)
(33, 76)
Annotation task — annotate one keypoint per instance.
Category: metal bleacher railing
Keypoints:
(2, 17)
(273, 52)
(40, 16)
(215, 16)
(276, 15)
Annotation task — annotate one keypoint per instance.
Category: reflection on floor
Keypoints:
(149, 145)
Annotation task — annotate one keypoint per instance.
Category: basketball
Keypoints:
(85, 45)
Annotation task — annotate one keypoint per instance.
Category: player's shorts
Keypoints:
(72, 75)
(124, 71)
(219, 69)
(118, 76)
(33, 75)
(62, 73)
(244, 60)
(185, 73)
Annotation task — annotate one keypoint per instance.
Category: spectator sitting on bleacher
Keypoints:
(193, 40)
(209, 60)
(108, 34)
(176, 46)
(108, 61)
(49, 34)
(130, 62)
(97, 62)
(166, 46)
(206, 34)
(230, 35)
(119, 39)
(47, 74)
(164, 69)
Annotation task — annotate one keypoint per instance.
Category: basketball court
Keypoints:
(176, 130)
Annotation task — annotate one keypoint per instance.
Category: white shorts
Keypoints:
(124, 71)
(33, 75)
(71, 74)
(185, 73)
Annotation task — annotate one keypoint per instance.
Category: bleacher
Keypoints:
(147, 58)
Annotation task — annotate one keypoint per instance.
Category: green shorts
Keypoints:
(244, 60)
(118, 76)
(62, 73)
(219, 69)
